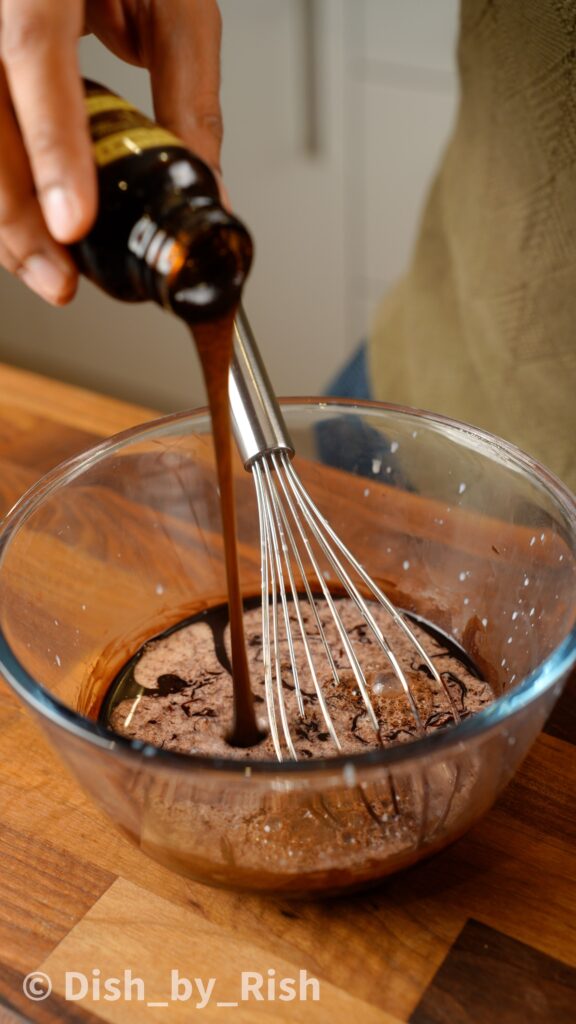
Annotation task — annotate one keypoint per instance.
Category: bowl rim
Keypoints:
(542, 678)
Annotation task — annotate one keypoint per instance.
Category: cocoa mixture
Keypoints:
(180, 688)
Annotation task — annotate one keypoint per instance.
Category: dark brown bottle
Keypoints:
(161, 232)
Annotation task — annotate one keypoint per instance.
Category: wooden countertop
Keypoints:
(484, 932)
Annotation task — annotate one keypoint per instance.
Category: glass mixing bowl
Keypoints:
(117, 544)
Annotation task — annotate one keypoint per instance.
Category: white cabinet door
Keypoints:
(283, 97)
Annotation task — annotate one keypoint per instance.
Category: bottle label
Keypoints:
(99, 102)
(119, 130)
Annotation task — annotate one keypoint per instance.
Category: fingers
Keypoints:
(50, 274)
(38, 50)
(26, 247)
(182, 47)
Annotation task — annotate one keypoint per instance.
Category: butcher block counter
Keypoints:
(483, 932)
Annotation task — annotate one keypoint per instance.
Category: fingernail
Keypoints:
(46, 277)
(62, 212)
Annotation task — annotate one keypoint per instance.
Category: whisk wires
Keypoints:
(296, 539)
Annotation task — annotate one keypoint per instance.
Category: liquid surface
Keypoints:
(176, 692)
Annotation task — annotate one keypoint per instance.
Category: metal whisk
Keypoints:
(293, 532)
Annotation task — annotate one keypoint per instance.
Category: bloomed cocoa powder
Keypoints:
(179, 688)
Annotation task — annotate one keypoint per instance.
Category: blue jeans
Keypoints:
(347, 441)
(353, 380)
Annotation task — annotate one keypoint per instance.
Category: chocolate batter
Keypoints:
(177, 692)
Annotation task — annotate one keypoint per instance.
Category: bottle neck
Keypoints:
(193, 259)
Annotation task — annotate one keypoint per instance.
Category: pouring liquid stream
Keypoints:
(214, 343)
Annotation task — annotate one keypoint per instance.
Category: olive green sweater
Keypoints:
(483, 325)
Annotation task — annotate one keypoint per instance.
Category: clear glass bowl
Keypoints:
(118, 544)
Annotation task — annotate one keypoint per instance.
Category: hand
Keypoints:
(48, 195)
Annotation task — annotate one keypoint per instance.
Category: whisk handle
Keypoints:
(257, 422)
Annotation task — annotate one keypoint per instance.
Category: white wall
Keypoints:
(333, 216)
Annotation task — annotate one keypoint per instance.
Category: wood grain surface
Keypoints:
(483, 932)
